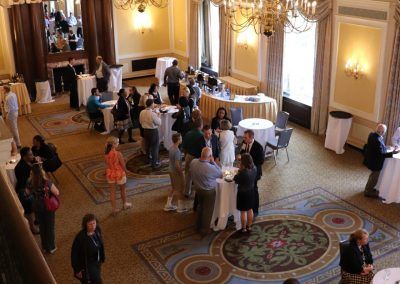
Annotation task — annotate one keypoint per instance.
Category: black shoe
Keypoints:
(131, 140)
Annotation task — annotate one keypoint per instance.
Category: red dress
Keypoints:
(114, 171)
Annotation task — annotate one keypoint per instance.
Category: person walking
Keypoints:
(116, 173)
(172, 75)
(87, 252)
(39, 185)
(11, 107)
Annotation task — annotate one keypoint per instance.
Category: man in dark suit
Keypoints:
(256, 151)
(207, 140)
(102, 74)
(375, 155)
(71, 84)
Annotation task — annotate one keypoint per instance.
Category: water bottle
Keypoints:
(228, 94)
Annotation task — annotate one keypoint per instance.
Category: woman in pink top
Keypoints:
(116, 173)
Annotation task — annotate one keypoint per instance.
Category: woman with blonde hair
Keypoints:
(115, 173)
(227, 142)
(356, 259)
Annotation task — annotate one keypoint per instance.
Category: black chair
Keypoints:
(281, 143)
(343, 246)
(281, 122)
(93, 121)
(237, 116)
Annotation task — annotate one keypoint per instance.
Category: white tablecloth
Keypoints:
(115, 83)
(264, 129)
(162, 64)
(164, 131)
(43, 92)
(389, 180)
(336, 133)
(387, 276)
(225, 205)
(108, 117)
(10, 169)
(85, 85)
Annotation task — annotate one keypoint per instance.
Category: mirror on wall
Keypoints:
(63, 24)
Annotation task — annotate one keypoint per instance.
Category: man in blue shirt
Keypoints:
(204, 172)
(94, 107)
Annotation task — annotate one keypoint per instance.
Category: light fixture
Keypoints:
(246, 38)
(353, 69)
(141, 5)
(142, 21)
(267, 15)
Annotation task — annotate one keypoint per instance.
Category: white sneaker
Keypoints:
(53, 250)
(126, 206)
(170, 208)
(182, 210)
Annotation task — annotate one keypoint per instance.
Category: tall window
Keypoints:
(298, 65)
(209, 34)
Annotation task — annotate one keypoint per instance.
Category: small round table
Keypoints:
(387, 276)
(264, 129)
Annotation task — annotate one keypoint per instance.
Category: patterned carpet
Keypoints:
(61, 123)
(297, 236)
(90, 171)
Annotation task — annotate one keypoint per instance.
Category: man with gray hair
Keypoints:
(375, 154)
(11, 107)
(204, 172)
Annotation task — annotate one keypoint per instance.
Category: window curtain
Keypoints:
(225, 42)
(273, 78)
(194, 34)
(392, 108)
(322, 68)
(205, 25)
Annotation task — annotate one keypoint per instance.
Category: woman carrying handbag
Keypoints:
(87, 253)
(44, 205)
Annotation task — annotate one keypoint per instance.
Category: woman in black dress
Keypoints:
(245, 179)
(123, 116)
(87, 253)
(220, 115)
(183, 117)
(153, 90)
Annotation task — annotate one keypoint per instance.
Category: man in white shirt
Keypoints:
(396, 138)
(150, 122)
(11, 106)
(71, 20)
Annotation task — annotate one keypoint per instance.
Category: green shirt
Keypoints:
(189, 141)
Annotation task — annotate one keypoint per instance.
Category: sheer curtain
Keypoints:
(392, 109)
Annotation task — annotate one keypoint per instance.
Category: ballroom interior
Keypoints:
(333, 66)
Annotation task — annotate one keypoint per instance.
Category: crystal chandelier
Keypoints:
(267, 15)
(140, 4)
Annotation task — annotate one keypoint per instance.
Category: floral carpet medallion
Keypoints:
(138, 164)
(60, 123)
(90, 171)
(297, 236)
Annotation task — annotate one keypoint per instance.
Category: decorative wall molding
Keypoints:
(143, 54)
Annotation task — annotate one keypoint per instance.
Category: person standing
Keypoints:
(256, 151)
(39, 185)
(102, 74)
(22, 173)
(227, 142)
(207, 140)
(245, 179)
(172, 76)
(204, 172)
(116, 174)
(87, 252)
(154, 90)
(190, 152)
(11, 107)
(150, 122)
(71, 84)
(123, 116)
(375, 155)
(177, 176)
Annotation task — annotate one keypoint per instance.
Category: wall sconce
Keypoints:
(353, 69)
(246, 39)
(142, 21)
